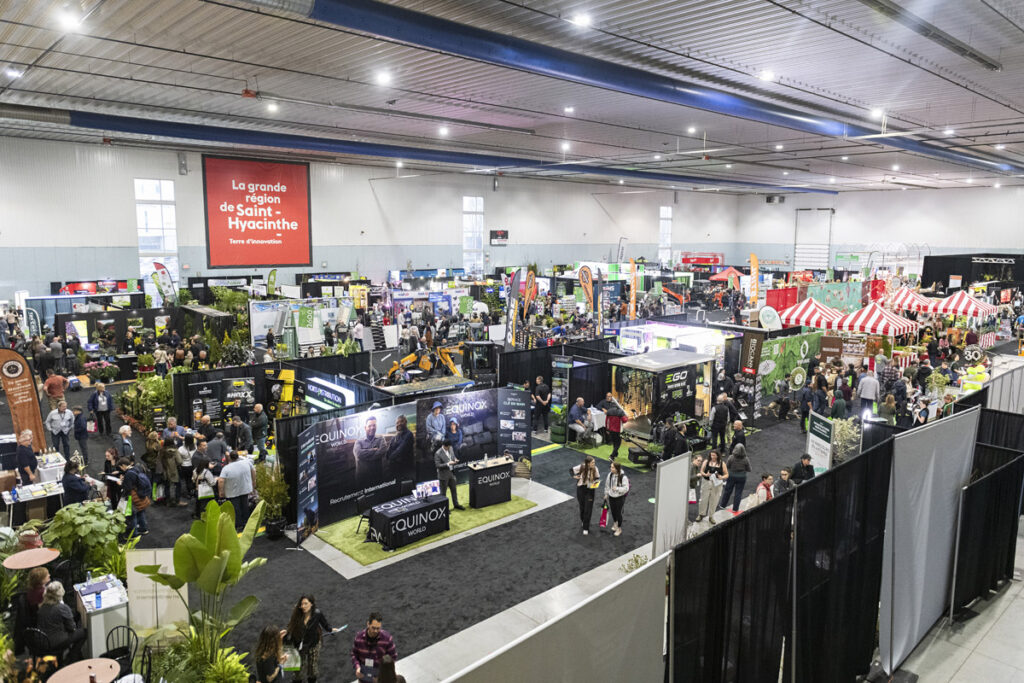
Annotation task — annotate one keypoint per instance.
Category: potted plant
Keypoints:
(227, 668)
(86, 532)
(29, 535)
(147, 364)
(273, 490)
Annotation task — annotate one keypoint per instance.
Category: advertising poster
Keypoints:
(784, 355)
(367, 454)
(819, 442)
(307, 502)
(206, 399)
(257, 213)
(561, 366)
(470, 422)
(514, 428)
(20, 392)
(238, 396)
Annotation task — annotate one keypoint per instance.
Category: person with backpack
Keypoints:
(719, 419)
(138, 489)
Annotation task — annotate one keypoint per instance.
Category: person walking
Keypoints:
(738, 465)
(444, 461)
(170, 462)
(587, 480)
(235, 486)
(54, 386)
(100, 404)
(81, 433)
(719, 418)
(613, 426)
(186, 451)
(838, 406)
(714, 473)
(868, 391)
(369, 648)
(305, 631)
(616, 487)
(541, 403)
(887, 410)
(123, 443)
(135, 485)
(60, 423)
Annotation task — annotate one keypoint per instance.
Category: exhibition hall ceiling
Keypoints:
(948, 74)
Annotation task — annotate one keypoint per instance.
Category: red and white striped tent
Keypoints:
(873, 319)
(809, 313)
(906, 299)
(963, 303)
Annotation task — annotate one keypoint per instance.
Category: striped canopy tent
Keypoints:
(809, 313)
(963, 303)
(906, 299)
(873, 319)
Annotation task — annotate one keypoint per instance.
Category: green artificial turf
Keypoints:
(342, 535)
(604, 452)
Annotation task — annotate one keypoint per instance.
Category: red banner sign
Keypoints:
(257, 213)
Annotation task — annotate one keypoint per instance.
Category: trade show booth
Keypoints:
(656, 385)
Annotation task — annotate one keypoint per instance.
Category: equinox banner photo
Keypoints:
(257, 213)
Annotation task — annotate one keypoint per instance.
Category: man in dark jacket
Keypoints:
(719, 419)
(923, 373)
(803, 470)
(240, 435)
(82, 433)
(738, 435)
(100, 404)
(805, 401)
(258, 422)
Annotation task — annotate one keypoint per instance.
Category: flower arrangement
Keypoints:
(102, 371)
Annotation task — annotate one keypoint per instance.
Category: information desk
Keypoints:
(98, 621)
(406, 520)
(490, 482)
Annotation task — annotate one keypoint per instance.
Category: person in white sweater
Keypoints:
(616, 487)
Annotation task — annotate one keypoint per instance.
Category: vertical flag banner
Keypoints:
(22, 398)
(35, 327)
(530, 294)
(512, 309)
(257, 213)
(586, 278)
(272, 281)
(164, 283)
(632, 289)
(306, 317)
(754, 273)
(600, 308)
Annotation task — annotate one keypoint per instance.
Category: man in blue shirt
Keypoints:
(28, 465)
(578, 420)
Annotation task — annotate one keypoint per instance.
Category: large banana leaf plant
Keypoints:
(210, 556)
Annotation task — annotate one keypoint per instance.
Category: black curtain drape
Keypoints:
(840, 526)
(989, 517)
(998, 428)
(976, 398)
(730, 610)
(874, 433)
(180, 382)
(591, 382)
(988, 459)
(523, 367)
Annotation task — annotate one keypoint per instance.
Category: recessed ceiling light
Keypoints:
(785, 173)
(272, 107)
(657, 157)
(948, 131)
(1000, 146)
(728, 165)
(844, 158)
(399, 164)
(581, 19)
(69, 21)
(877, 113)
(831, 180)
(766, 75)
(569, 110)
(997, 185)
(443, 131)
(691, 130)
(621, 182)
(383, 78)
(11, 72)
(778, 146)
(566, 146)
(904, 189)
(895, 167)
(970, 180)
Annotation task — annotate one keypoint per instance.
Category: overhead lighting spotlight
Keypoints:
(895, 167)
(831, 180)
(997, 185)
(728, 165)
(766, 75)
(785, 173)
(948, 131)
(691, 130)
(657, 157)
(778, 146)
(272, 107)
(399, 164)
(844, 158)
(622, 182)
(581, 19)
(569, 110)
(877, 113)
(69, 21)
(11, 72)
(1000, 146)
(443, 131)
(383, 78)
(566, 146)
(970, 180)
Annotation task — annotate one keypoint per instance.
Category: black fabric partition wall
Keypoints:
(840, 526)
(523, 367)
(987, 539)
(591, 382)
(988, 459)
(181, 382)
(998, 428)
(730, 611)
(975, 398)
(874, 433)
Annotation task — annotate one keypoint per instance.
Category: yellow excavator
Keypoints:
(425, 362)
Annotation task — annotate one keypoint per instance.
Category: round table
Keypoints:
(27, 559)
(106, 670)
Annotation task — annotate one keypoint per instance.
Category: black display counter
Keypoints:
(406, 520)
(490, 482)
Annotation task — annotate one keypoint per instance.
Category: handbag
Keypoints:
(603, 523)
(204, 490)
(139, 504)
(90, 426)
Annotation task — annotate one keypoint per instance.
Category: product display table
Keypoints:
(33, 493)
(404, 520)
(490, 482)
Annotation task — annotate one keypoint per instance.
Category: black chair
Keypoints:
(68, 572)
(363, 505)
(122, 643)
(146, 664)
(38, 645)
(24, 617)
(405, 488)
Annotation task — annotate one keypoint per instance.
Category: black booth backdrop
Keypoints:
(937, 269)
(119, 318)
(999, 428)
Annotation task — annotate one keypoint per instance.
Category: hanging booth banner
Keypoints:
(632, 289)
(514, 428)
(586, 278)
(512, 310)
(164, 283)
(272, 282)
(754, 273)
(238, 397)
(530, 294)
(206, 399)
(257, 213)
(819, 442)
(20, 392)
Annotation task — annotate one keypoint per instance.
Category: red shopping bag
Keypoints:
(604, 517)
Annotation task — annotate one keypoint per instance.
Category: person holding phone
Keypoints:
(588, 479)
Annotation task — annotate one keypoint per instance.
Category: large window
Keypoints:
(473, 235)
(158, 233)
(665, 236)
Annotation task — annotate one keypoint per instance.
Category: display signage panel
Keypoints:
(257, 213)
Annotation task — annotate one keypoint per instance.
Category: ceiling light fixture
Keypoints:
(657, 157)
(895, 167)
(948, 131)
(766, 75)
(272, 107)
(785, 173)
(581, 19)
(622, 182)
(877, 113)
(728, 165)
(383, 78)
(691, 130)
(997, 185)
(566, 146)
(569, 110)
(69, 21)
(831, 180)
(399, 164)
(1000, 146)
(443, 131)
(844, 158)
(778, 146)
(11, 72)
(970, 180)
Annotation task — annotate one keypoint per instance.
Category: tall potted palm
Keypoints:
(273, 491)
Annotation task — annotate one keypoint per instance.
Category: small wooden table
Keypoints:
(27, 559)
(106, 670)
